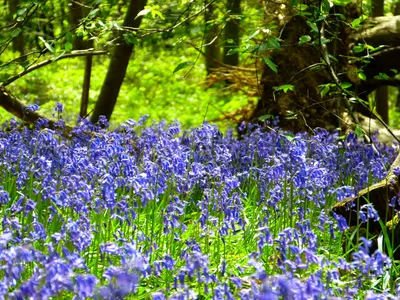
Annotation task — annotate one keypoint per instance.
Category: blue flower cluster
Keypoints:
(154, 212)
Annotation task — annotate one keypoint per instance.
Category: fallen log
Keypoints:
(380, 196)
(21, 111)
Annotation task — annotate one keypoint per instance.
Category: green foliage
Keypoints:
(183, 65)
(285, 88)
(150, 87)
(270, 64)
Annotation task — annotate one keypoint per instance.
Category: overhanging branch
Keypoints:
(49, 61)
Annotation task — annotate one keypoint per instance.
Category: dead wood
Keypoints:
(21, 111)
(380, 196)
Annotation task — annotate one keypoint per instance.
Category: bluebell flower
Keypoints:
(341, 222)
(59, 107)
(32, 107)
(85, 285)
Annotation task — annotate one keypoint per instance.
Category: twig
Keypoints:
(76, 53)
(221, 63)
(169, 29)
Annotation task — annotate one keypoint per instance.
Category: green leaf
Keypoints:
(341, 2)
(325, 90)
(326, 6)
(313, 26)
(358, 48)
(270, 64)
(291, 116)
(15, 32)
(284, 87)
(382, 76)
(4, 77)
(324, 41)
(47, 45)
(68, 46)
(304, 39)
(93, 13)
(68, 36)
(143, 12)
(358, 131)
(362, 76)
(346, 85)
(130, 39)
(293, 2)
(274, 43)
(232, 51)
(357, 22)
(289, 137)
(265, 117)
(254, 34)
(183, 65)
(25, 64)
(61, 54)
(302, 7)
(22, 11)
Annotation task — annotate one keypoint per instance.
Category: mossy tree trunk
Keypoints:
(307, 68)
(18, 41)
(212, 50)
(232, 33)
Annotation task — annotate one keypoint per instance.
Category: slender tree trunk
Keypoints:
(212, 51)
(118, 65)
(232, 30)
(86, 82)
(396, 12)
(18, 41)
(381, 93)
(88, 71)
(75, 15)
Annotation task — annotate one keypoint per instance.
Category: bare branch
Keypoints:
(76, 53)
(222, 64)
(171, 28)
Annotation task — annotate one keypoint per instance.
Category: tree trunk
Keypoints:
(212, 51)
(18, 41)
(232, 30)
(396, 12)
(381, 93)
(382, 103)
(86, 85)
(118, 65)
(86, 77)
(75, 15)
(317, 100)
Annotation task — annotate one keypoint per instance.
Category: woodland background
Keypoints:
(204, 60)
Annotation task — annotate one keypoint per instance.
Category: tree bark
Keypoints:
(379, 195)
(86, 86)
(18, 42)
(118, 65)
(86, 77)
(381, 93)
(305, 67)
(212, 50)
(18, 109)
(232, 31)
(75, 15)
